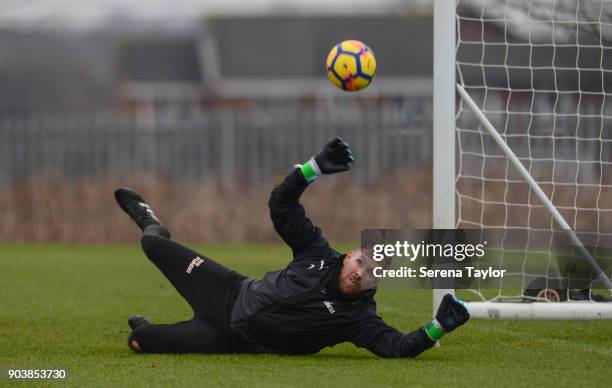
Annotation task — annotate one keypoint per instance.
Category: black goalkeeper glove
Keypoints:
(451, 314)
(335, 157)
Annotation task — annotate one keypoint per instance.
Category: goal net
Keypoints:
(539, 74)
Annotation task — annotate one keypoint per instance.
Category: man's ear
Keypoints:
(349, 254)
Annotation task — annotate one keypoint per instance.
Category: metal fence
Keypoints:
(243, 142)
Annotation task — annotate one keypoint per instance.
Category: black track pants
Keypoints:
(208, 287)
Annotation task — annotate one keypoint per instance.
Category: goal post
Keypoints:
(444, 123)
(527, 133)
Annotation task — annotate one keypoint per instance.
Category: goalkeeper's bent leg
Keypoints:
(208, 287)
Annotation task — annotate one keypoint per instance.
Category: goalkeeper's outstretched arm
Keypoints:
(383, 340)
(288, 215)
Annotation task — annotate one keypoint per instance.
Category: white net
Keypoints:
(541, 71)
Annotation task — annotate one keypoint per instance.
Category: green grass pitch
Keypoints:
(65, 306)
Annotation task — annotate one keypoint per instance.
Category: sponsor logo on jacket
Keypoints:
(329, 306)
(194, 263)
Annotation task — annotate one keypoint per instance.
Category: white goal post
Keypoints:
(530, 120)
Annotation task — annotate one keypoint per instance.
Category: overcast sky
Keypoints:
(84, 13)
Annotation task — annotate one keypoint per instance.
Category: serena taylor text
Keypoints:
(424, 272)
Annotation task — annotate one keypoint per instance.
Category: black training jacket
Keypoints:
(300, 310)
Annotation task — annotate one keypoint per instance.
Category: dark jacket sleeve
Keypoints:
(289, 217)
(383, 340)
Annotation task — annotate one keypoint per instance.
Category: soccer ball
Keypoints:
(351, 65)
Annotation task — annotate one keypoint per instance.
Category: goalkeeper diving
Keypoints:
(322, 297)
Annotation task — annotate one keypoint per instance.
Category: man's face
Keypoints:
(356, 274)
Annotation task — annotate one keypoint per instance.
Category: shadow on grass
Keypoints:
(265, 357)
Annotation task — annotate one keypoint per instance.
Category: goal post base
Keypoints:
(540, 310)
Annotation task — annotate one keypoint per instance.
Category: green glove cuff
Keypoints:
(434, 330)
(310, 170)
